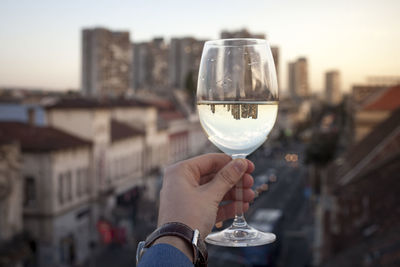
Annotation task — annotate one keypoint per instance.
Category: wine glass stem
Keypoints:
(239, 220)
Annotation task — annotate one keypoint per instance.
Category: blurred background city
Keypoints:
(97, 97)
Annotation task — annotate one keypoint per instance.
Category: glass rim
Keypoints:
(220, 42)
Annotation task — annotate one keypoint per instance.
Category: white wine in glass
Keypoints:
(237, 102)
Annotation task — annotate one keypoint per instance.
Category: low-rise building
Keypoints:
(143, 115)
(14, 244)
(11, 188)
(57, 173)
(357, 212)
(125, 156)
(375, 110)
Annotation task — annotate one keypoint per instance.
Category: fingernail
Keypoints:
(239, 165)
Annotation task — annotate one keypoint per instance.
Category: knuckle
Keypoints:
(226, 178)
(170, 170)
(184, 166)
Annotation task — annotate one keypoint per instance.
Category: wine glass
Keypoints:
(237, 102)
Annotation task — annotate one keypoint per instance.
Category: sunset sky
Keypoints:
(40, 40)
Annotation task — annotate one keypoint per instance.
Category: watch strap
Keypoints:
(186, 233)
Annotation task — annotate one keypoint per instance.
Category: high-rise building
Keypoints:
(291, 79)
(160, 62)
(106, 62)
(184, 60)
(244, 33)
(150, 64)
(275, 55)
(332, 87)
(140, 64)
(298, 78)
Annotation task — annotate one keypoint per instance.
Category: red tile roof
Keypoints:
(40, 139)
(358, 153)
(121, 131)
(389, 100)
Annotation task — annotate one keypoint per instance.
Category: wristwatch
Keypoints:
(183, 231)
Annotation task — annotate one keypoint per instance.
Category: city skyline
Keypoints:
(41, 42)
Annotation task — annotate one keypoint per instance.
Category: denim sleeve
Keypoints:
(164, 255)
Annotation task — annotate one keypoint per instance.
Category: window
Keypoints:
(61, 188)
(86, 179)
(78, 183)
(133, 163)
(68, 177)
(29, 191)
(125, 166)
(119, 172)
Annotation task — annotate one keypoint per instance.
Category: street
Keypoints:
(288, 194)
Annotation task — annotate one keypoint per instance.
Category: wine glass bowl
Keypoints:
(237, 101)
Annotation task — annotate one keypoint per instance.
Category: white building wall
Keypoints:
(89, 124)
(39, 167)
(77, 163)
(146, 119)
(12, 197)
(143, 118)
(49, 232)
(78, 122)
(198, 139)
(49, 220)
(126, 163)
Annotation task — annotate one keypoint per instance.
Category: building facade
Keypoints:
(357, 210)
(246, 34)
(375, 109)
(57, 175)
(184, 61)
(106, 62)
(332, 87)
(150, 65)
(298, 79)
(243, 33)
(276, 56)
(11, 199)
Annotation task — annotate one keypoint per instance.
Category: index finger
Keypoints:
(207, 164)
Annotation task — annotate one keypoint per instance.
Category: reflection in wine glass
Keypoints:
(237, 101)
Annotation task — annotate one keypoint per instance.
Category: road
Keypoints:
(286, 194)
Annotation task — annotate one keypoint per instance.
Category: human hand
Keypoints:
(193, 189)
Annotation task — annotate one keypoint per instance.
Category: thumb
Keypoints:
(227, 178)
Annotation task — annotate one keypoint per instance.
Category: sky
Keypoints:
(40, 41)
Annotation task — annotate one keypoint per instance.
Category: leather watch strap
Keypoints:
(183, 231)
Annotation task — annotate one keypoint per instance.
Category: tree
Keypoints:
(190, 86)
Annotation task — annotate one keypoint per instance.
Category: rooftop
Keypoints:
(389, 100)
(171, 115)
(39, 139)
(120, 131)
(358, 157)
(92, 103)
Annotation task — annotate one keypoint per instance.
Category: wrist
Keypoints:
(177, 242)
(177, 234)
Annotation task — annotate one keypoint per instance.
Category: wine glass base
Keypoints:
(245, 236)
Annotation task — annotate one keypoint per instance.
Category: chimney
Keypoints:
(31, 116)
